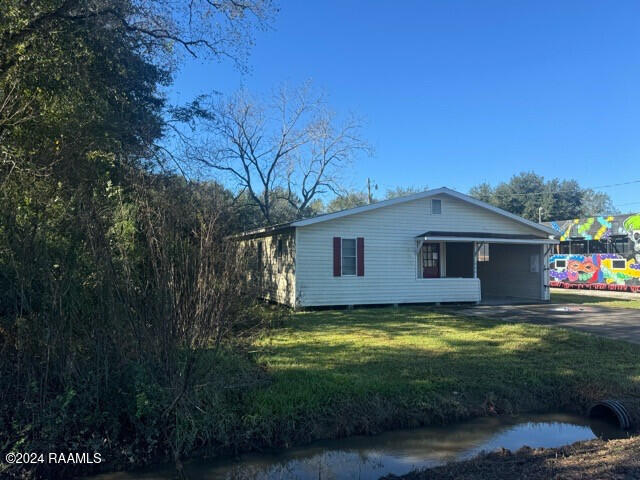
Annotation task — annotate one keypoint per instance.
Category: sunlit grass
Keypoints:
(341, 372)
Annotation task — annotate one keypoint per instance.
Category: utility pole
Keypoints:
(539, 214)
(375, 187)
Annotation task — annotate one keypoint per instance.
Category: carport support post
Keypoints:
(475, 260)
(546, 293)
(476, 248)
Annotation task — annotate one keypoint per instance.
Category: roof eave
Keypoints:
(261, 232)
(530, 241)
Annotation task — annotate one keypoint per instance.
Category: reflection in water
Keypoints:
(395, 452)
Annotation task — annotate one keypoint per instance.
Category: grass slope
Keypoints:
(337, 373)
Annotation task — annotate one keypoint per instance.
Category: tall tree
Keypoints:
(531, 196)
(521, 195)
(111, 284)
(483, 192)
(597, 203)
(291, 148)
(562, 199)
(403, 191)
(85, 75)
(347, 200)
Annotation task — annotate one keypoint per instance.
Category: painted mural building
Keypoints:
(600, 253)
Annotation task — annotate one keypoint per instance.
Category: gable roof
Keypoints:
(417, 196)
(394, 201)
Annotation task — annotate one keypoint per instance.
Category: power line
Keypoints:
(616, 184)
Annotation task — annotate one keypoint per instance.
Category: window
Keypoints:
(561, 264)
(578, 246)
(621, 245)
(436, 206)
(619, 264)
(348, 256)
(483, 253)
(279, 254)
(596, 246)
(260, 256)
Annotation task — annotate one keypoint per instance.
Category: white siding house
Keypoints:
(431, 247)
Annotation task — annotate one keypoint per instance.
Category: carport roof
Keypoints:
(485, 237)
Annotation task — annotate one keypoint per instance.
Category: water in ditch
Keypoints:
(397, 452)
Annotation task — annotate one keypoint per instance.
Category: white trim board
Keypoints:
(543, 241)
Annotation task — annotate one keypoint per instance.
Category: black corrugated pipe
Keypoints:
(616, 410)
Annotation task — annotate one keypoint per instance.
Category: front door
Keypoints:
(430, 260)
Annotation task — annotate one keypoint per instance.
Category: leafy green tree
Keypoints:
(562, 199)
(483, 192)
(281, 210)
(349, 200)
(529, 195)
(597, 203)
(403, 191)
(521, 195)
(113, 276)
(355, 198)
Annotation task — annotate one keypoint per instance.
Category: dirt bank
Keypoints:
(598, 459)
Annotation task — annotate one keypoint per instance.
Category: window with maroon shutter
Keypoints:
(337, 256)
(360, 256)
(349, 257)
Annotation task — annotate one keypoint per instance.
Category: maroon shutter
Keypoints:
(337, 256)
(360, 256)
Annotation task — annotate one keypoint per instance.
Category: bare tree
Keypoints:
(292, 148)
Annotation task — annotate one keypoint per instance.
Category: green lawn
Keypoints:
(572, 297)
(359, 371)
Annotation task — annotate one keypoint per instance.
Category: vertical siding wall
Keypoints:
(276, 280)
(390, 254)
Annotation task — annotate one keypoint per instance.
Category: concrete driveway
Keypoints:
(617, 323)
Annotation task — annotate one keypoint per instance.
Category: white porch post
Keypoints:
(475, 259)
(476, 249)
(546, 292)
(418, 257)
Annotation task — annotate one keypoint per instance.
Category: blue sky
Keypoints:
(458, 92)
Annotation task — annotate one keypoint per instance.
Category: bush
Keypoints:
(120, 321)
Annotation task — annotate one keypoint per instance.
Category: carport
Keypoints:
(511, 268)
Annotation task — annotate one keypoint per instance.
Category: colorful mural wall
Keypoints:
(605, 271)
(600, 228)
(600, 271)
